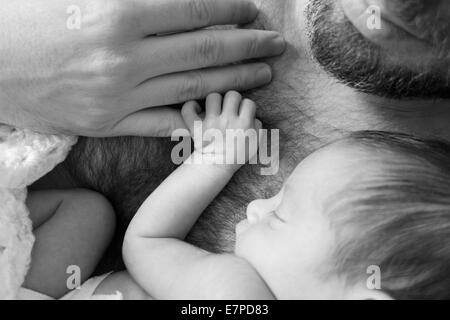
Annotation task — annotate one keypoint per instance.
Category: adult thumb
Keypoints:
(154, 122)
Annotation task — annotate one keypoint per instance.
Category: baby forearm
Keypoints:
(154, 250)
(173, 208)
(161, 266)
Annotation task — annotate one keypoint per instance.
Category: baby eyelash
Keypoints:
(278, 217)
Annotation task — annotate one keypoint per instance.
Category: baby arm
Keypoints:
(154, 250)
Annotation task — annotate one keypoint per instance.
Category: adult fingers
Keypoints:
(155, 122)
(190, 113)
(193, 85)
(164, 16)
(201, 49)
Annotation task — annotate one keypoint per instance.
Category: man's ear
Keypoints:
(367, 294)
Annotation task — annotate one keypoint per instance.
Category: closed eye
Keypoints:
(278, 216)
(275, 220)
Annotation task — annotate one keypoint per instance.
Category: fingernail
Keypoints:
(264, 74)
(279, 43)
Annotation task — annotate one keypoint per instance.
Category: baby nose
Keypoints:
(256, 210)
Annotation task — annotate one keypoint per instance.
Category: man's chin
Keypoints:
(358, 62)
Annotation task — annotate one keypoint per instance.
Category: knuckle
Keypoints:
(209, 50)
(191, 87)
(199, 11)
(108, 69)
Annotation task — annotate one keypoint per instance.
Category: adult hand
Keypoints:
(99, 67)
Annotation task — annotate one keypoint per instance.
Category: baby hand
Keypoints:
(221, 134)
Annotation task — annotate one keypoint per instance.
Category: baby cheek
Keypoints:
(249, 241)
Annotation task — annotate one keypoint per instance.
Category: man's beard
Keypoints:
(347, 55)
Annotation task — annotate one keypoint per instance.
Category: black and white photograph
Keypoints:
(224, 150)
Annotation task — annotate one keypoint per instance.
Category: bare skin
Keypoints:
(308, 106)
(103, 68)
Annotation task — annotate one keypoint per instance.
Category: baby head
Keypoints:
(367, 217)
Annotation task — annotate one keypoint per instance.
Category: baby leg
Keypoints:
(72, 228)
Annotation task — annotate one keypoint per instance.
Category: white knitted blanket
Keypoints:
(25, 157)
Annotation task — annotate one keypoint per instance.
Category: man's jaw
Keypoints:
(361, 63)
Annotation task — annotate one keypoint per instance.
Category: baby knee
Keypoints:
(98, 210)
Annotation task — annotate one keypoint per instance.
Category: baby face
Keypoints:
(288, 238)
